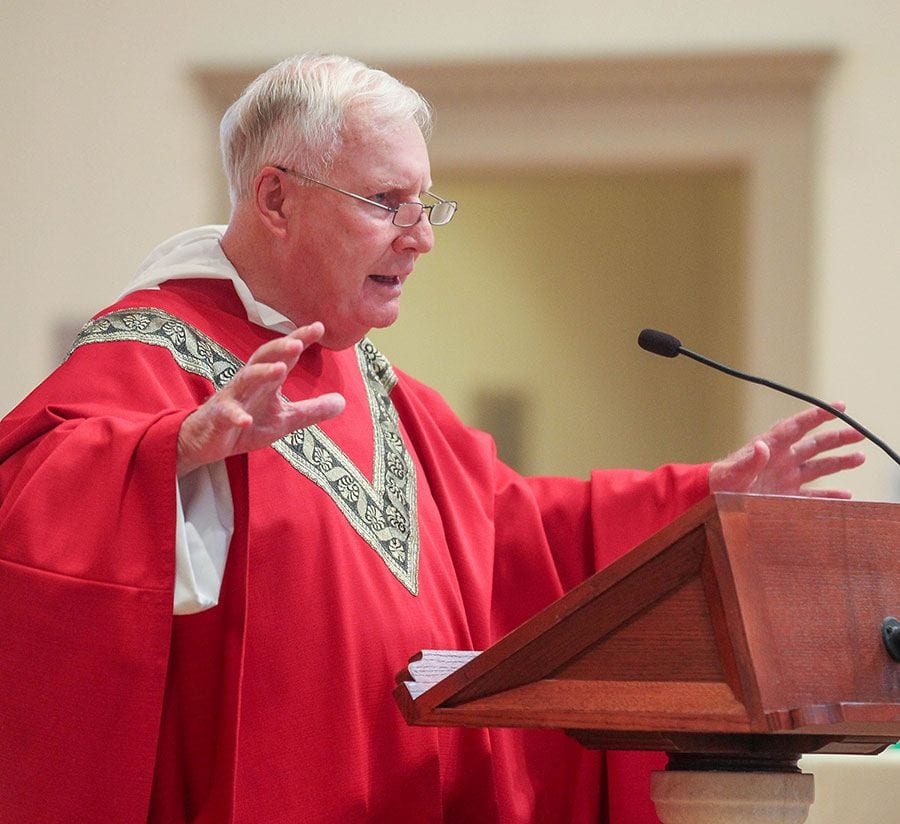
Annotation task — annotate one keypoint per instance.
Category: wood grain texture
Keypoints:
(750, 618)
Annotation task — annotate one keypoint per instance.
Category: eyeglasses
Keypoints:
(405, 214)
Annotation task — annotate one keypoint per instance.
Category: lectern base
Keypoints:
(696, 797)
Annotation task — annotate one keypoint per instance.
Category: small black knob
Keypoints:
(890, 634)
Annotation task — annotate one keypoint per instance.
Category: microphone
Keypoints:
(668, 346)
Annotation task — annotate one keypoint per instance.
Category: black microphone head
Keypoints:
(659, 343)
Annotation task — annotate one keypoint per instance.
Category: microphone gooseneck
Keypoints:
(662, 343)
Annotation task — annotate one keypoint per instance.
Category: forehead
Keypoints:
(394, 154)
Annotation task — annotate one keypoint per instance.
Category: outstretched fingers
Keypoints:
(311, 411)
(825, 441)
(829, 465)
(255, 383)
(841, 494)
(250, 412)
(791, 430)
(788, 456)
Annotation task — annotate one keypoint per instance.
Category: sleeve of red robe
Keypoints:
(624, 508)
(87, 520)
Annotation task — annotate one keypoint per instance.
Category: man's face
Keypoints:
(347, 262)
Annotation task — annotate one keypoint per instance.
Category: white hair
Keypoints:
(294, 114)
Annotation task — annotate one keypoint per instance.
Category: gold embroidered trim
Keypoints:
(383, 512)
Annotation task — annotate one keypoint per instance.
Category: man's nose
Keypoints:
(419, 237)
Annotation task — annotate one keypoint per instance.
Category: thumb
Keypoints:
(738, 471)
(758, 458)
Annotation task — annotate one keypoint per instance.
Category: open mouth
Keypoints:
(385, 280)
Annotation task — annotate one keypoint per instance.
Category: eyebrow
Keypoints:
(393, 187)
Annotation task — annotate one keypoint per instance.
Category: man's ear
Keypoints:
(271, 200)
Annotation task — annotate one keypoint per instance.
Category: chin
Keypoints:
(388, 317)
(342, 336)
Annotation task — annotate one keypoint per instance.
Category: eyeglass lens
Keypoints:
(442, 212)
(409, 214)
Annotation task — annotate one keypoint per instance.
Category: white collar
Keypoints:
(197, 253)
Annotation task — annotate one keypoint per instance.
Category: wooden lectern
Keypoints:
(752, 630)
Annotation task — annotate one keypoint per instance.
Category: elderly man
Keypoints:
(224, 439)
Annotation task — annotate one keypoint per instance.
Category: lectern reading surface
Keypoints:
(747, 631)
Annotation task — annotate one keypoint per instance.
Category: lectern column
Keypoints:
(700, 797)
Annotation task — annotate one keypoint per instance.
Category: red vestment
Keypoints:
(275, 706)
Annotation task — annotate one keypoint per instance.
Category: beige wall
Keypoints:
(854, 789)
(516, 301)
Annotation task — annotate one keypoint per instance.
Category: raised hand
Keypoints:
(249, 412)
(787, 457)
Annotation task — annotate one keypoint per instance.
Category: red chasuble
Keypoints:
(389, 529)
